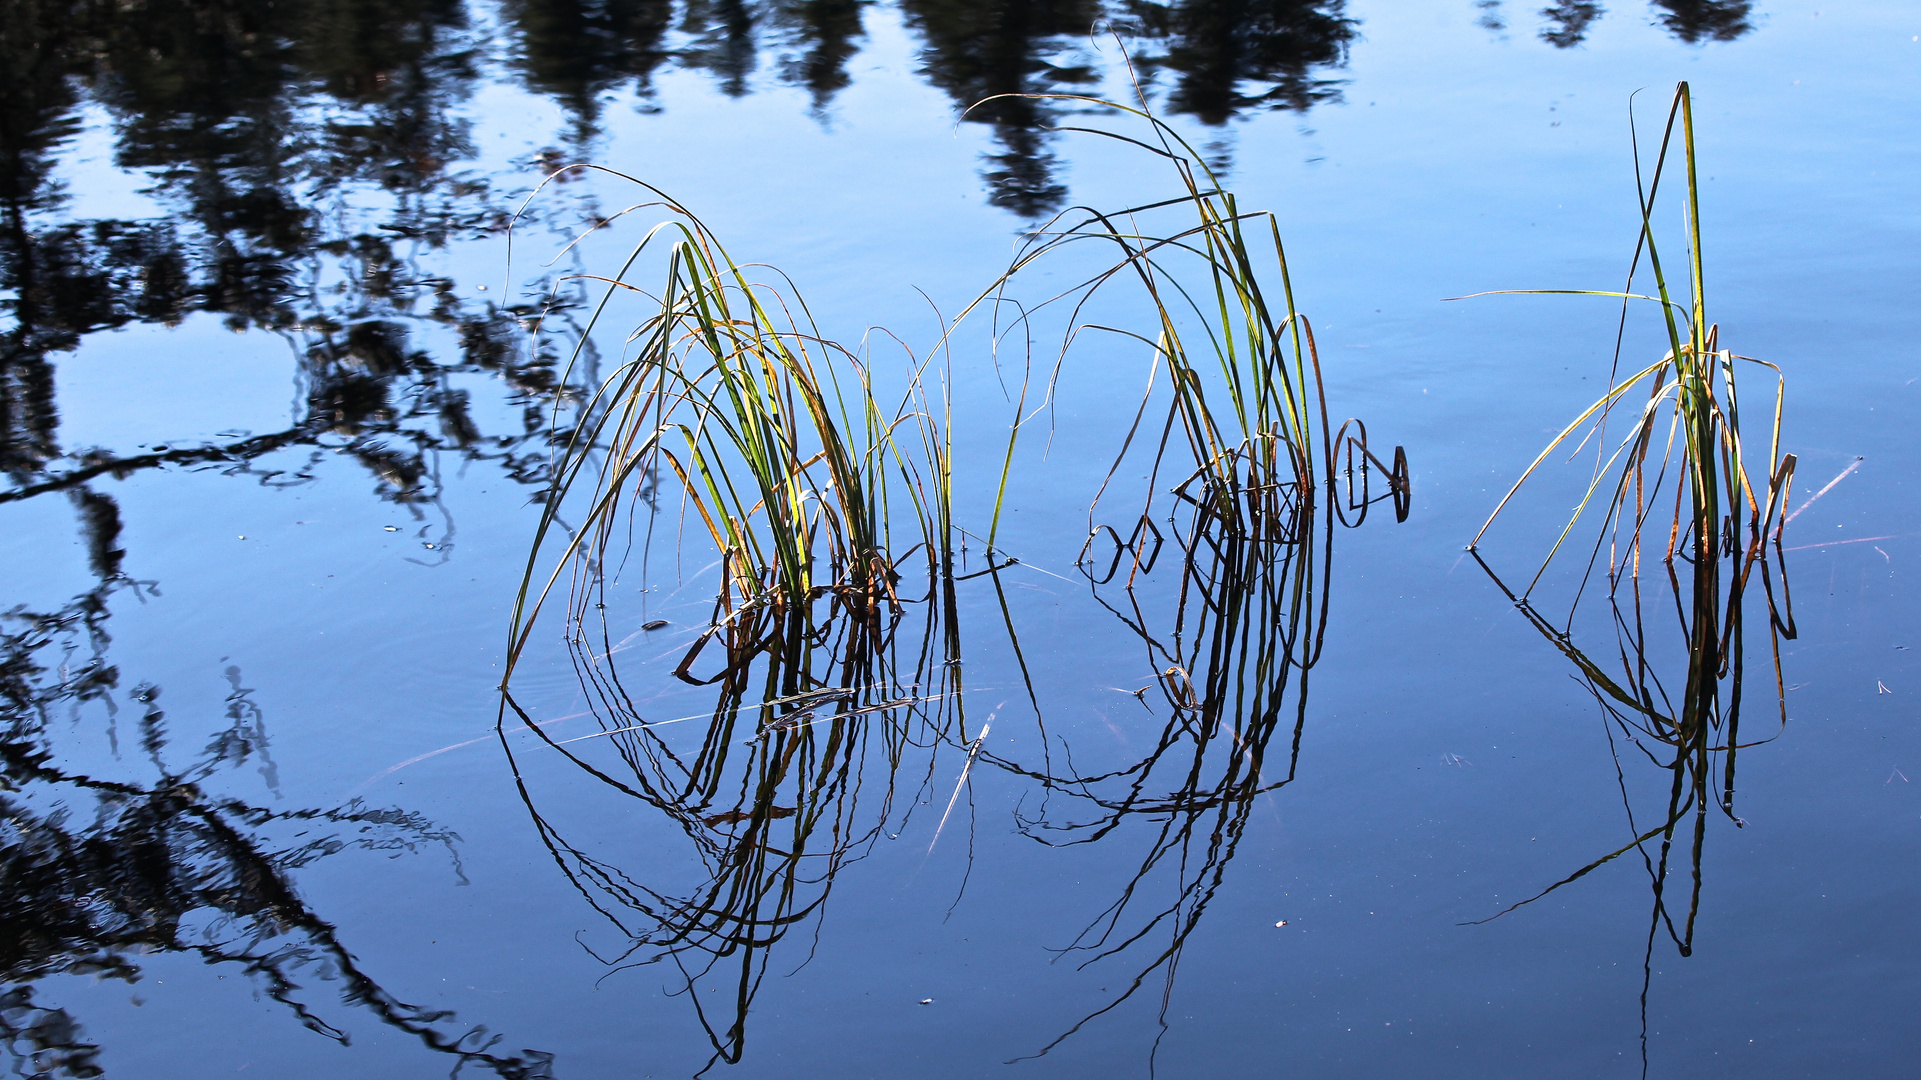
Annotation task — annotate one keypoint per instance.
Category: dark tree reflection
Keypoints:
(217, 103)
(1225, 57)
(290, 145)
(1568, 22)
(819, 38)
(576, 50)
(99, 872)
(976, 51)
(50, 294)
(1691, 21)
(721, 42)
(1232, 56)
(250, 121)
(1695, 21)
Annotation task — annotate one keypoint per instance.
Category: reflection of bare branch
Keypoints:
(167, 866)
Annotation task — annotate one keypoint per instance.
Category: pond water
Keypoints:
(279, 389)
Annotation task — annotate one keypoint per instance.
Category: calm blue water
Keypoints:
(275, 435)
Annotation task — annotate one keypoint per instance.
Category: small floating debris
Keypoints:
(391, 528)
(653, 624)
(735, 817)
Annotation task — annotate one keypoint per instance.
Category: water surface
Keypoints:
(276, 434)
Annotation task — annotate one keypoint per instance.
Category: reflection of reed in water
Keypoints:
(99, 872)
(1685, 722)
(1689, 727)
(1231, 623)
(767, 788)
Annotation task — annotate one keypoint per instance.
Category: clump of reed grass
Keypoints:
(749, 437)
(771, 437)
(1676, 496)
(1688, 423)
(1242, 432)
(813, 497)
(1246, 481)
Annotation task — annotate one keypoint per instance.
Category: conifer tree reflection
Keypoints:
(819, 39)
(1695, 21)
(1691, 21)
(1232, 56)
(576, 50)
(977, 51)
(722, 41)
(1568, 22)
